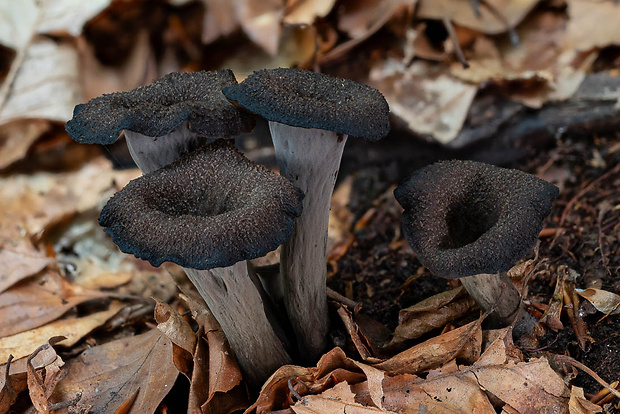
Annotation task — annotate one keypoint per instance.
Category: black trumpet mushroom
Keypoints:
(473, 221)
(211, 211)
(310, 117)
(172, 116)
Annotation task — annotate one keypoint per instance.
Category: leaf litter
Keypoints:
(60, 277)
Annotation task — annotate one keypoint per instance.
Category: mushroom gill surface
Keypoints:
(211, 208)
(464, 218)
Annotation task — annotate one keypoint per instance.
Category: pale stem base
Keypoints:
(486, 289)
(310, 158)
(235, 302)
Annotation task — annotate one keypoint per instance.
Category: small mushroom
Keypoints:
(473, 221)
(172, 116)
(310, 116)
(209, 212)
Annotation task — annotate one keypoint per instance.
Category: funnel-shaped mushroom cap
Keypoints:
(312, 100)
(211, 208)
(160, 107)
(464, 218)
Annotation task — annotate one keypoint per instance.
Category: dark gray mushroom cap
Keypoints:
(464, 218)
(211, 208)
(312, 100)
(160, 107)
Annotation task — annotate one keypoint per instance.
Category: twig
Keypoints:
(455, 40)
(292, 390)
(571, 361)
(337, 297)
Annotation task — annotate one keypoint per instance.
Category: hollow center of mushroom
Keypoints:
(469, 218)
(200, 206)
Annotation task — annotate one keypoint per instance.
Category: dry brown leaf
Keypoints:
(578, 404)
(362, 19)
(183, 339)
(37, 301)
(40, 387)
(108, 374)
(337, 400)
(172, 324)
(98, 78)
(40, 199)
(17, 136)
(15, 381)
(261, 21)
(431, 313)
(539, 69)
(304, 12)
(427, 100)
(451, 393)
(463, 343)
(592, 24)
(24, 343)
(219, 20)
(603, 301)
(216, 385)
(18, 255)
(333, 367)
(463, 14)
(297, 46)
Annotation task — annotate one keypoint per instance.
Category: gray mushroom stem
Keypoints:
(311, 161)
(494, 290)
(152, 153)
(235, 302)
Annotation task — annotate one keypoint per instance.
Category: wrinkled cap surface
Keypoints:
(211, 208)
(464, 218)
(312, 100)
(160, 107)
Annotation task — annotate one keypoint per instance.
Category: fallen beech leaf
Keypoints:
(578, 404)
(338, 399)
(15, 381)
(427, 100)
(362, 19)
(17, 136)
(172, 324)
(451, 393)
(45, 86)
(183, 339)
(592, 24)
(24, 343)
(333, 367)
(541, 64)
(431, 313)
(463, 14)
(304, 12)
(216, 385)
(297, 46)
(261, 22)
(219, 20)
(509, 382)
(40, 199)
(108, 374)
(463, 343)
(41, 387)
(39, 300)
(603, 301)
(18, 255)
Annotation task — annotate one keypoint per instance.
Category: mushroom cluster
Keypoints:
(209, 209)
